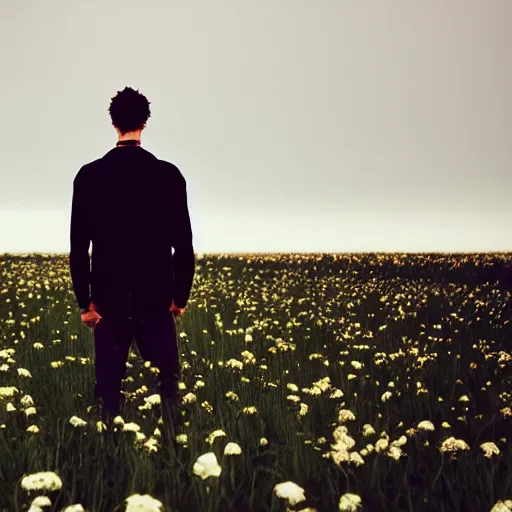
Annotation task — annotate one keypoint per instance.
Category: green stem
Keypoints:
(438, 474)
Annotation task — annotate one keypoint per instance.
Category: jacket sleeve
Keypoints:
(79, 260)
(183, 257)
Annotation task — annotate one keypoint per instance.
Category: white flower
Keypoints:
(368, 430)
(100, 426)
(144, 503)
(131, 427)
(27, 401)
(206, 465)
(304, 408)
(340, 436)
(323, 384)
(502, 506)
(22, 372)
(39, 502)
(77, 422)
(356, 459)
(153, 399)
(451, 445)
(216, 433)
(381, 445)
(426, 425)
(189, 398)
(489, 448)
(400, 441)
(386, 396)
(151, 445)
(233, 363)
(74, 508)
(182, 439)
(139, 436)
(118, 420)
(349, 502)
(394, 452)
(44, 480)
(346, 415)
(7, 391)
(290, 491)
(232, 449)
(340, 454)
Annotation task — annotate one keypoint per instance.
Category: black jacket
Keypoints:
(133, 207)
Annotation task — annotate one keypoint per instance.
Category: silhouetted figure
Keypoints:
(133, 207)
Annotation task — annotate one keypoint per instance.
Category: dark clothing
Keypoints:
(133, 207)
(155, 335)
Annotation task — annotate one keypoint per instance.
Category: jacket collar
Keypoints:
(122, 150)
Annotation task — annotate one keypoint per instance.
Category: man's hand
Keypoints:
(92, 317)
(175, 310)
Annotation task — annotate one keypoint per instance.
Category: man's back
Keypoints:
(133, 207)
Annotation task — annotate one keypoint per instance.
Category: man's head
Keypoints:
(129, 111)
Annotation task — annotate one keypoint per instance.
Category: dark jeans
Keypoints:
(155, 335)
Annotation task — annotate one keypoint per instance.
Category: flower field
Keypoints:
(379, 382)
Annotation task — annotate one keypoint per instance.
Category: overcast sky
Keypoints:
(318, 126)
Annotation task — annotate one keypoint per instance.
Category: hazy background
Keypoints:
(323, 126)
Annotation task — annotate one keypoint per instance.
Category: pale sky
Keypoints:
(301, 126)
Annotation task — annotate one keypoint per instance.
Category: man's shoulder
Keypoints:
(170, 167)
(88, 170)
(171, 170)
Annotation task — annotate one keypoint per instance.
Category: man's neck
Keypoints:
(128, 145)
(130, 136)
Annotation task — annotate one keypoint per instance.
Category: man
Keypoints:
(133, 207)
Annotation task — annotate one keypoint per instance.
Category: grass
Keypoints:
(273, 349)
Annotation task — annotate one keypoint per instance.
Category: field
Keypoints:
(379, 382)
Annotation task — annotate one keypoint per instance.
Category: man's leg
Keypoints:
(155, 335)
(113, 336)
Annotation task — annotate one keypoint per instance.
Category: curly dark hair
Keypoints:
(129, 110)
